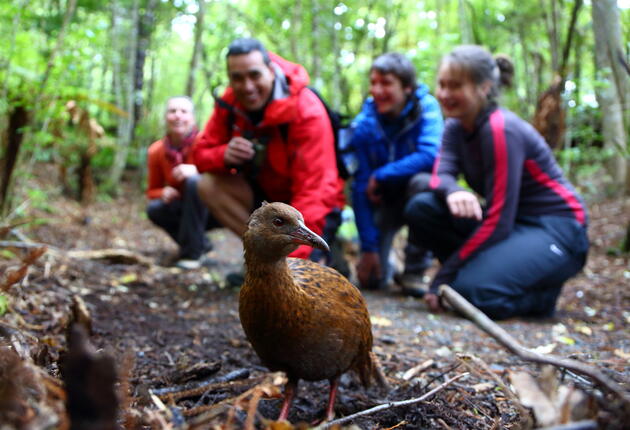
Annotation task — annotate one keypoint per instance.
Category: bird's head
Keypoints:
(276, 230)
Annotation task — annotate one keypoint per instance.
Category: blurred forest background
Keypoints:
(83, 82)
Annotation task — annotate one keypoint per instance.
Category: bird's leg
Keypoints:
(289, 392)
(330, 411)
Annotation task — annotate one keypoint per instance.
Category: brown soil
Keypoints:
(161, 321)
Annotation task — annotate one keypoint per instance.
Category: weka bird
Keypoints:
(300, 317)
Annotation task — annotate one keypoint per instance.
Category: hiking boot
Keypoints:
(412, 284)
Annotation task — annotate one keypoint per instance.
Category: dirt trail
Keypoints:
(165, 320)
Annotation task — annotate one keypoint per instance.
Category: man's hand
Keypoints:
(373, 191)
(239, 151)
(184, 171)
(369, 268)
(169, 194)
(464, 204)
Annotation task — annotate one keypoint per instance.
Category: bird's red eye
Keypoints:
(278, 222)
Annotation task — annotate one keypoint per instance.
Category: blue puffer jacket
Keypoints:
(392, 151)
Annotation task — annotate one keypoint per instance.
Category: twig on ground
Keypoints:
(390, 405)
(417, 369)
(26, 245)
(577, 425)
(474, 363)
(179, 391)
(504, 338)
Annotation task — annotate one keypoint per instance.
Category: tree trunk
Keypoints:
(51, 59)
(336, 78)
(145, 30)
(549, 118)
(7, 66)
(530, 96)
(613, 96)
(315, 37)
(464, 23)
(551, 25)
(296, 21)
(194, 59)
(125, 124)
(17, 120)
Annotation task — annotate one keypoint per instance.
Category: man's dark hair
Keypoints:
(398, 65)
(246, 45)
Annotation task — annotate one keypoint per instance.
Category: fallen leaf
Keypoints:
(417, 369)
(128, 278)
(566, 340)
(483, 387)
(380, 321)
(545, 349)
(618, 352)
(532, 396)
(584, 330)
(609, 326)
(4, 304)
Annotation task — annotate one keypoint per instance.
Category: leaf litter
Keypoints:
(167, 329)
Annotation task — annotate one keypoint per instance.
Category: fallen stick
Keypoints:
(26, 245)
(390, 405)
(463, 306)
(113, 255)
(179, 389)
(577, 425)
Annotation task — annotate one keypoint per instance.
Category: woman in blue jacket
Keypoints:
(395, 137)
(509, 243)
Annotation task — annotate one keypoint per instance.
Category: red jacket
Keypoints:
(160, 170)
(300, 170)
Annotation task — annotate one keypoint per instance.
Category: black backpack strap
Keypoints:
(284, 131)
(225, 105)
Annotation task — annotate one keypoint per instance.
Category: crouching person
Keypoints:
(269, 138)
(511, 255)
(172, 185)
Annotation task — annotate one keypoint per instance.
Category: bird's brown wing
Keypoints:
(338, 304)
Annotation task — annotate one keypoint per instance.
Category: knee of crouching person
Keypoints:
(418, 207)
(206, 186)
(418, 183)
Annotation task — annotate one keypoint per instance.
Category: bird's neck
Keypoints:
(269, 274)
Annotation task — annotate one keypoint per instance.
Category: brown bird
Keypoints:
(300, 317)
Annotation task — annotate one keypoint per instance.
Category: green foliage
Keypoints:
(4, 304)
(40, 200)
(336, 42)
(584, 165)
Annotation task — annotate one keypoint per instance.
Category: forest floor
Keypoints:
(161, 324)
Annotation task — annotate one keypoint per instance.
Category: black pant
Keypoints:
(520, 275)
(389, 219)
(185, 220)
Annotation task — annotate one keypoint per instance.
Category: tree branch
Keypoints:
(504, 338)
(393, 404)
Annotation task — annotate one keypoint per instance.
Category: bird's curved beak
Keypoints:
(304, 236)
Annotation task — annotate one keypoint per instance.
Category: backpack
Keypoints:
(342, 133)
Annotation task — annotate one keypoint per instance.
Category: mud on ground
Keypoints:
(159, 321)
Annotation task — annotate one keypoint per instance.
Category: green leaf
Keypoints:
(4, 304)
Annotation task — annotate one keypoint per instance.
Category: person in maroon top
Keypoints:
(510, 241)
(269, 138)
(174, 204)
